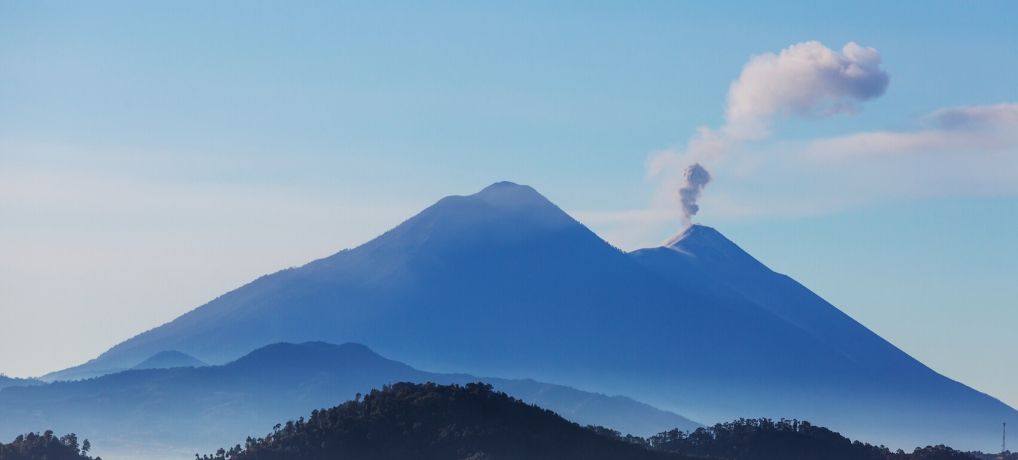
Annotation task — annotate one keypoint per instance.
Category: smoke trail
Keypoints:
(695, 178)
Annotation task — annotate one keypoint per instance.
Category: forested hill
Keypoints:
(46, 446)
(6, 381)
(429, 421)
(787, 440)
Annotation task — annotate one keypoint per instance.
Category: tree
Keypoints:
(70, 440)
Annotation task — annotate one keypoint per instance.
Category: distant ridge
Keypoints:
(169, 413)
(6, 381)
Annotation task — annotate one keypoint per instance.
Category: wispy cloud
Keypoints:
(976, 117)
(969, 130)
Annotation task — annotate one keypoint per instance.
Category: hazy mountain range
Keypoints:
(504, 283)
(177, 411)
(6, 381)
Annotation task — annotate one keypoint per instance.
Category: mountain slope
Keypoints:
(162, 412)
(616, 412)
(703, 256)
(885, 379)
(504, 283)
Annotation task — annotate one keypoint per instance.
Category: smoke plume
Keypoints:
(695, 178)
(805, 80)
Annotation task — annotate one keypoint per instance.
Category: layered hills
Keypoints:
(174, 412)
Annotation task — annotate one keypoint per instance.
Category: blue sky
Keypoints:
(153, 156)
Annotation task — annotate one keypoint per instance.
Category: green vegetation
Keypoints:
(1001, 456)
(46, 446)
(765, 439)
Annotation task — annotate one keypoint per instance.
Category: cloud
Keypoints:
(972, 130)
(806, 80)
(976, 117)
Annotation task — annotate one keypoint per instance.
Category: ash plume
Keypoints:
(695, 178)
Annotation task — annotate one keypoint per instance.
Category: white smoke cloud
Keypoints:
(803, 80)
(807, 80)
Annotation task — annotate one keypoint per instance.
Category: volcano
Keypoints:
(504, 283)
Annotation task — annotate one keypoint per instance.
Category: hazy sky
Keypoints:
(156, 155)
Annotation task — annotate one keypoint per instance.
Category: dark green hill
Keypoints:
(46, 446)
(765, 439)
(429, 421)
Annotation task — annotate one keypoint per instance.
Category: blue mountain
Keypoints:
(503, 282)
(6, 381)
(169, 359)
(172, 412)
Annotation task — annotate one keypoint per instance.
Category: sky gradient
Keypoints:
(155, 156)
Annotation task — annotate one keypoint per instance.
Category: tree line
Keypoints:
(46, 446)
(766, 439)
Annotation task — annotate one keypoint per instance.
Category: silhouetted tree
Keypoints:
(766, 439)
(33, 446)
